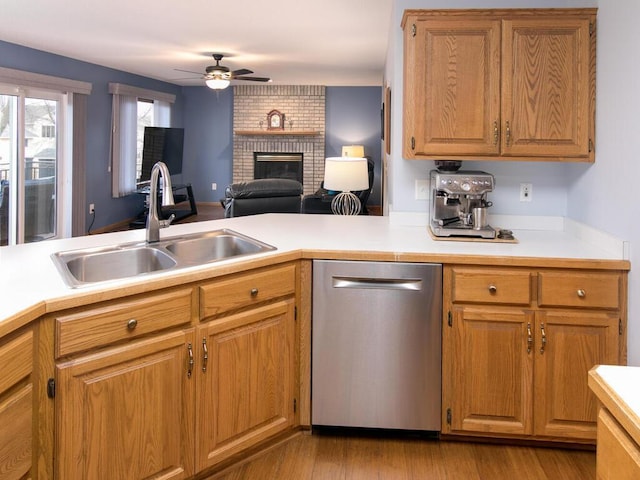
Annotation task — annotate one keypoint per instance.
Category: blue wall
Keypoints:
(208, 141)
(108, 210)
(352, 116)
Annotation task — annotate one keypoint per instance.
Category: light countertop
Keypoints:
(30, 282)
(618, 388)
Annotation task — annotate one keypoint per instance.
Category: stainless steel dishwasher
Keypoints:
(376, 343)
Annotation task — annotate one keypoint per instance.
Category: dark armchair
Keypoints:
(320, 201)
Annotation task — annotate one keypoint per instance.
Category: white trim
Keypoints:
(129, 91)
(38, 80)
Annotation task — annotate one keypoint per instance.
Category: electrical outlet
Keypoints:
(526, 192)
(422, 189)
(92, 208)
(214, 186)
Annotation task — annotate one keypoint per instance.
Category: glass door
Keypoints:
(29, 152)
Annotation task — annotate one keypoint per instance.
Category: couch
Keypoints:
(266, 195)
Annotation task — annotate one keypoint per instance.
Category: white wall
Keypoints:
(606, 195)
(602, 194)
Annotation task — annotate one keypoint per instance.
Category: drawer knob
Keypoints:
(132, 324)
(254, 292)
(581, 293)
(493, 289)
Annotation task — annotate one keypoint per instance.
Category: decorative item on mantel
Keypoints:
(346, 174)
(275, 120)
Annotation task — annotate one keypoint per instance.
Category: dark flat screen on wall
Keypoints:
(162, 145)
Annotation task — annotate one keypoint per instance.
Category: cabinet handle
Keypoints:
(496, 133)
(581, 293)
(508, 139)
(544, 338)
(205, 355)
(132, 324)
(493, 289)
(529, 338)
(254, 292)
(190, 362)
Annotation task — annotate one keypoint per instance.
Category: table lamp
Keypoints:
(353, 151)
(346, 174)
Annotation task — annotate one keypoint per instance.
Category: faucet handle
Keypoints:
(167, 222)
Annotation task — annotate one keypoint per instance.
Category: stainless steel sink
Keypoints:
(98, 265)
(214, 246)
(84, 267)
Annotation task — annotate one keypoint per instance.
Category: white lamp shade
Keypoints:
(346, 174)
(353, 151)
(217, 83)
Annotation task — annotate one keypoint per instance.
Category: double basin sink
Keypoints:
(88, 266)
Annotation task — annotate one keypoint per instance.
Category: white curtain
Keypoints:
(124, 131)
(161, 114)
(123, 144)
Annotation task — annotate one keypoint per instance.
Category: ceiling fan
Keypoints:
(217, 77)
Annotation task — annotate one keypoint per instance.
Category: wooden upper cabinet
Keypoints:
(452, 82)
(499, 84)
(545, 93)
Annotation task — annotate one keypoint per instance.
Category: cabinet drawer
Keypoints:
(590, 290)
(123, 320)
(491, 286)
(16, 358)
(247, 289)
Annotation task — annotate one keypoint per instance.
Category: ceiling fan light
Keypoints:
(217, 83)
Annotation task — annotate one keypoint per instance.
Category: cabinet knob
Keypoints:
(254, 292)
(581, 293)
(493, 289)
(132, 324)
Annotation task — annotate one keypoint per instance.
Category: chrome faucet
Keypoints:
(154, 224)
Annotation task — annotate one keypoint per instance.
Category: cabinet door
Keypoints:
(16, 406)
(546, 87)
(126, 412)
(569, 344)
(245, 388)
(491, 370)
(452, 87)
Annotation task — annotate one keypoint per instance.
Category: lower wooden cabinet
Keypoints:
(246, 384)
(515, 366)
(127, 412)
(618, 456)
(173, 383)
(17, 405)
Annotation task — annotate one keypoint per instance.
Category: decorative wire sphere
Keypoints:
(345, 203)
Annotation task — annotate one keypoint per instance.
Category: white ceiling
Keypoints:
(295, 42)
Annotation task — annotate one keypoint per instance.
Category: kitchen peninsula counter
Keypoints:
(31, 285)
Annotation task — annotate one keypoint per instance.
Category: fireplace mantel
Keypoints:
(278, 133)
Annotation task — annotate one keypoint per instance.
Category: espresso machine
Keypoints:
(459, 203)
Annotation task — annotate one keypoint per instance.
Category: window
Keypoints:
(133, 109)
(48, 131)
(32, 161)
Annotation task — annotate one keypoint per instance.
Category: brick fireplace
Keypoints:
(303, 107)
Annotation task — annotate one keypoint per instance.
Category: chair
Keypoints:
(320, 201)
(265, 195)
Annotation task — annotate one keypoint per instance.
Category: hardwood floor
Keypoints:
(329, 457)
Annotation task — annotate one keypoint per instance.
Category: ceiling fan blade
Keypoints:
(242, 71)
(187, 71)
(254, 79)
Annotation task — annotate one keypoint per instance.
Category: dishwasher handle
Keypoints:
(381, 283)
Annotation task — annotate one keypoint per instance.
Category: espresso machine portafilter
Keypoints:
(459, 203)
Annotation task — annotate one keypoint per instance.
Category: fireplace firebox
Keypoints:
(278, 165)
